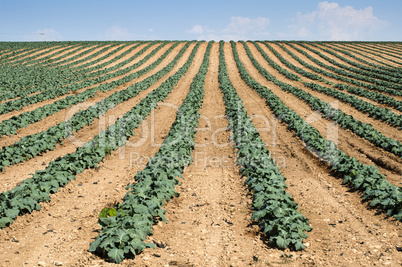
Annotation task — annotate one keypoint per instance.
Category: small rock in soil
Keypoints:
(159, 245)
(58, 263)
(42, 263)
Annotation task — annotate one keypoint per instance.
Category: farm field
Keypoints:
(255, 153)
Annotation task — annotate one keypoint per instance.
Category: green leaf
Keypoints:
(116, 255)
(107, 212)
(94, 245)
(5, 221)
(12, 213)
(281, 243)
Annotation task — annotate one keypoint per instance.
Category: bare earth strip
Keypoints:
(370, 54)
(329, 47)
(305, 59)
(364, 55)
(338, 60)
(63, 229)
(381, 126)
(352, 144)
(62, 48)
(13, 174)
(209, 224)
(49, 101)
(378, 49)
(116, 50)
(40, 51)
(345, 232)
(61, 55)
(261, 60)
(59, 58)
(314, 55)
(295, 62)
(110, 65)
(391, 48)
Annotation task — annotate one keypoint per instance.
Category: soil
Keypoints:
(362, 49)
(209, 224)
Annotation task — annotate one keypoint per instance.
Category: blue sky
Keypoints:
(365, 20)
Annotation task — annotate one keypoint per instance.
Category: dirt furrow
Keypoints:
(377, 49)
(261, 60)
(132, 53)
(305, 59)
(69, 49)
(317, 57)
(294, 61)
(339, 61)
(40, 51)
(13, 174)
(118, 53)
(369, 54)
(346, 140)
(166, 47)
(346, 108)
(390, 47)
(208, 225)
(117, 50)
(110, 58)
(62, 55)
(49, 101)
(360, 53)
(345, 230)
(330, 47)
(63, 234)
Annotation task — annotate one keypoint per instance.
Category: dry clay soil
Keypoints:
(209, 223)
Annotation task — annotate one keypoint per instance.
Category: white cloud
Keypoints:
(239, 28)
(330, 21)
(118, 33)
(196, 29)
(203, 32)
(244, 25)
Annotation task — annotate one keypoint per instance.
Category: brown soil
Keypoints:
(347, 141)
(12, 175)
(63, 51)
(110, 58)
(49, 101)
(114, 49)
(258, 56)
(370, 54)
(329, 47)
(210, 223)
(62, 55)
(307, 60)
(362, 54)
(379, 49)
(79, 52)
(30, 54)
(261, 60)
(336, 59)
(342, 237)
(316, 56)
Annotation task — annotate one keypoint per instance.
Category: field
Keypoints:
(214, 153)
